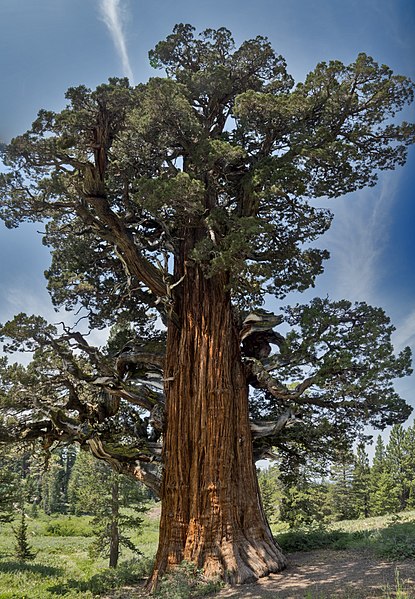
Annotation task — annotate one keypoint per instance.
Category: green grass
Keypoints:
(62, 566)
(391, 537)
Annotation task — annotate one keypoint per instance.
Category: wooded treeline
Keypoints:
(73, 482)
(352, 489)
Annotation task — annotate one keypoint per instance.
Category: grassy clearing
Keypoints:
(390, 537)
(62, 566)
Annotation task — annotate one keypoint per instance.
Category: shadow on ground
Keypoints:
(16, 566)
(325, 574)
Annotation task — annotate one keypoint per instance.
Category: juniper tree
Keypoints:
(188, 199)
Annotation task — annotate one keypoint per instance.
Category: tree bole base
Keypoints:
(245, 563)
(234, 564)
(212, 515)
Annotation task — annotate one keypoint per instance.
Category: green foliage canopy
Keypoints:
(217, 163)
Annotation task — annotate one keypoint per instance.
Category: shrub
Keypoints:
(397, 541)
(186, 582)
(68, 527)
(307, 539)
(127, 572)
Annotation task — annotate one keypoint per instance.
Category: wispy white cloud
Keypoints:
(113, 16)
(405, 333)
(357, 240)
(22, 296)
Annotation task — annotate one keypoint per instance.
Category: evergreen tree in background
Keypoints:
(361, 483)
(9, 489)
(22, 550)
(396, 466)
(340, 493)
(380, 481)
(271, 492)
(304, 500)
(55, 480)
(97, 490)
(410, 465)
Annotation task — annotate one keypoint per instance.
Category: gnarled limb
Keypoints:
(270, 428)
(143, 473)
(266, 381)
(138, 266)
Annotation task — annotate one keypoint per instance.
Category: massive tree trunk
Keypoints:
(211, 509)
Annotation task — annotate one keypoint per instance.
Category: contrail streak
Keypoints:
(112, 17)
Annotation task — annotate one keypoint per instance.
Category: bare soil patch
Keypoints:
(321, 574)
(330, 574)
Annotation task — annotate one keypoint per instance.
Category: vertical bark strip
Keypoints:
(115, 534)
(211, 511)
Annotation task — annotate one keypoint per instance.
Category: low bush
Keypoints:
(307, 539)
(129, 572)
(186, 582)
(394, 541)
(397, 541)
(68, 526)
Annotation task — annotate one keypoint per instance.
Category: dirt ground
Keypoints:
(323, 574)
(330, 574)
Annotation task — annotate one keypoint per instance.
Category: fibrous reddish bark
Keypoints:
(115, 533)
(211, 509)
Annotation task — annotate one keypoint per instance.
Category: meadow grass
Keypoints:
(63, 567)
(391, 537)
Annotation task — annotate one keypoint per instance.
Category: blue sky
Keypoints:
(47, 46)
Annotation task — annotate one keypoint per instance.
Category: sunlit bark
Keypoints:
(211, 511)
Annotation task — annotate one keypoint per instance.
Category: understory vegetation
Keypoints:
(65, 522)
(345, 489)
(63, 566)
(390, 537)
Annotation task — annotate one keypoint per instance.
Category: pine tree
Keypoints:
(304, 500)
(361, 483)
(9, 489)
(395, 463)
(340, 499)
(55, 480)
(23, 551)
(95, 489)
(382, 500)
(410, 464)
(271, 492)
